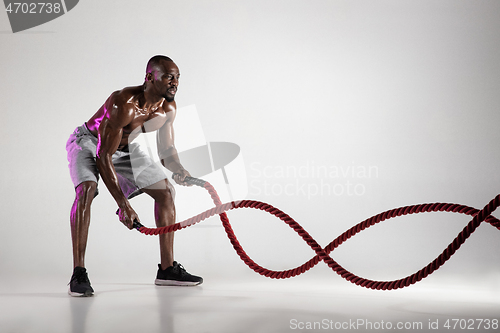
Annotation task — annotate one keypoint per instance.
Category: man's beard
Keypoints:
(169, 98)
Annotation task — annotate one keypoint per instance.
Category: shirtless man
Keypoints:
(101, 147)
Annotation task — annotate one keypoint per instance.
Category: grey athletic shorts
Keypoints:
(134, 168)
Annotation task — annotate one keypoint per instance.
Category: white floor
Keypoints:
(254, 304)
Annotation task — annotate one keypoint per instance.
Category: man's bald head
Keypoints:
(156, 62)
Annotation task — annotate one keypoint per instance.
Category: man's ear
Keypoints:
(148, 77)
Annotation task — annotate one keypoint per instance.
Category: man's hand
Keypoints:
(127, 215)
(180, 176)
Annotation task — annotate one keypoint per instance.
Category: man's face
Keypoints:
(166, 80)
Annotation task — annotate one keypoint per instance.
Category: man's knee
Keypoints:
(86, 191)
(162, 192)
(164, 196)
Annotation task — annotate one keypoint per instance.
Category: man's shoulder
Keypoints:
(121, 103)
(126, 95)
(169, 106)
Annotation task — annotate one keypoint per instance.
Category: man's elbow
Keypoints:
(167, 153)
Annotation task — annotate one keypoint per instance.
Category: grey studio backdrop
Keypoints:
(341, 109)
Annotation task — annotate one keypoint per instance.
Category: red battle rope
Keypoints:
(323, 253)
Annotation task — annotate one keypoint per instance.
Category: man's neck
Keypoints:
(150, 101)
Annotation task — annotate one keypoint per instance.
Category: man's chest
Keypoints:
(147, 122)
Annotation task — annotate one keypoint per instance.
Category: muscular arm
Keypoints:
(116, 117)
(167, 151)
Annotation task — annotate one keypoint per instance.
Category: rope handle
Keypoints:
(193, 181)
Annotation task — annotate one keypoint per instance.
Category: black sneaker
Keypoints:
(176, 275)
(79, 285)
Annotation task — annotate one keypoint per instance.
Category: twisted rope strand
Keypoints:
(322, 254)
